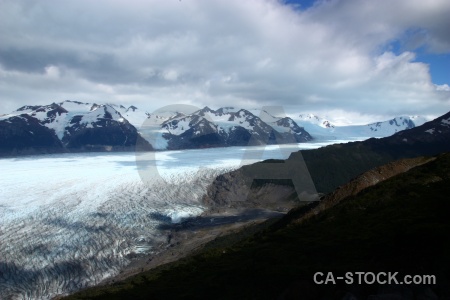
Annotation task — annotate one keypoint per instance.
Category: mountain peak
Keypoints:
(74, 102)
(204, 111)
(132, 108)
(316, 120)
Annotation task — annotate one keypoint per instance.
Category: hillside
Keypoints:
(334, 165)
(324, 169)
(398, 225)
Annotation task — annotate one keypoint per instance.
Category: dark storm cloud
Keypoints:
(100, 67)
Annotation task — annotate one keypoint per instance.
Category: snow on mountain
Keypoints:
(229, 119)
(432, 129)
(103, 128)
(381, 129)
(197, 124)
(78, 127)
(59, 116)
(149, 125)
(398, 124)
(286, 126)
(190, 131)
(177, 127)
(65, 111)
(446, 122)
(101, 112)
(52, 116)
(106, 127)
(316, 120)
(139, 118)
(230, 127)
(283, 125)
(76, 107)
(321, 128)
(431, 138)
(23, 134)
(318, 127)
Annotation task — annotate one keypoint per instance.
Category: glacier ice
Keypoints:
(69, 221)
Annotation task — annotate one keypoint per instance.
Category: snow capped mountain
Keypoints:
(229, 127)
(313, 119)
(397, 124)
(318, 127)
(321, 128)
(381, 129)
(60, 117)
(23, 134)
(104, 126)
(66, 126)
(77, 126)
(286, 126)
(191, 131)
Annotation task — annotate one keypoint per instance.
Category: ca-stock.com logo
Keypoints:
(180, 127)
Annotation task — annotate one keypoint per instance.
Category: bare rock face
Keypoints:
(233, 190)
(270, 184)
(105, 134)
(23, 134)
(261, 185)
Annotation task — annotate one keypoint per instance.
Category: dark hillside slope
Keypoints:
(399, 225)
(332, 166)
(26, 135)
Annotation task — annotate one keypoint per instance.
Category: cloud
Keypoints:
(332, 56)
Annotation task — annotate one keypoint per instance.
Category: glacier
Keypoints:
(69, 221)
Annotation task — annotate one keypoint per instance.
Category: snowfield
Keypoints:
(69, 221)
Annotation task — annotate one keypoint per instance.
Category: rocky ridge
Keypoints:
(328, 167)
(107, 127)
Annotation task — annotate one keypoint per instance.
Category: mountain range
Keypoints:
(321, 128)
(72, 126)
(327, 167)
(384, 209)
(67, 126)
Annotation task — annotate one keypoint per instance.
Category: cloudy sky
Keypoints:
(363, 59)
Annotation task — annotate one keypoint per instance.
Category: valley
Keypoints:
(389, 216)
(69, 221)
(399, 225)
(261, 149)
(75, 220)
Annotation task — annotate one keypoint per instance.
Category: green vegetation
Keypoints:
(401, 224)
(335, 165)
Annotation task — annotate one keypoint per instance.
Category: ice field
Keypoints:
(68, 221)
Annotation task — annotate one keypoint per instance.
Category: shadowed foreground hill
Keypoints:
(401, 224)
